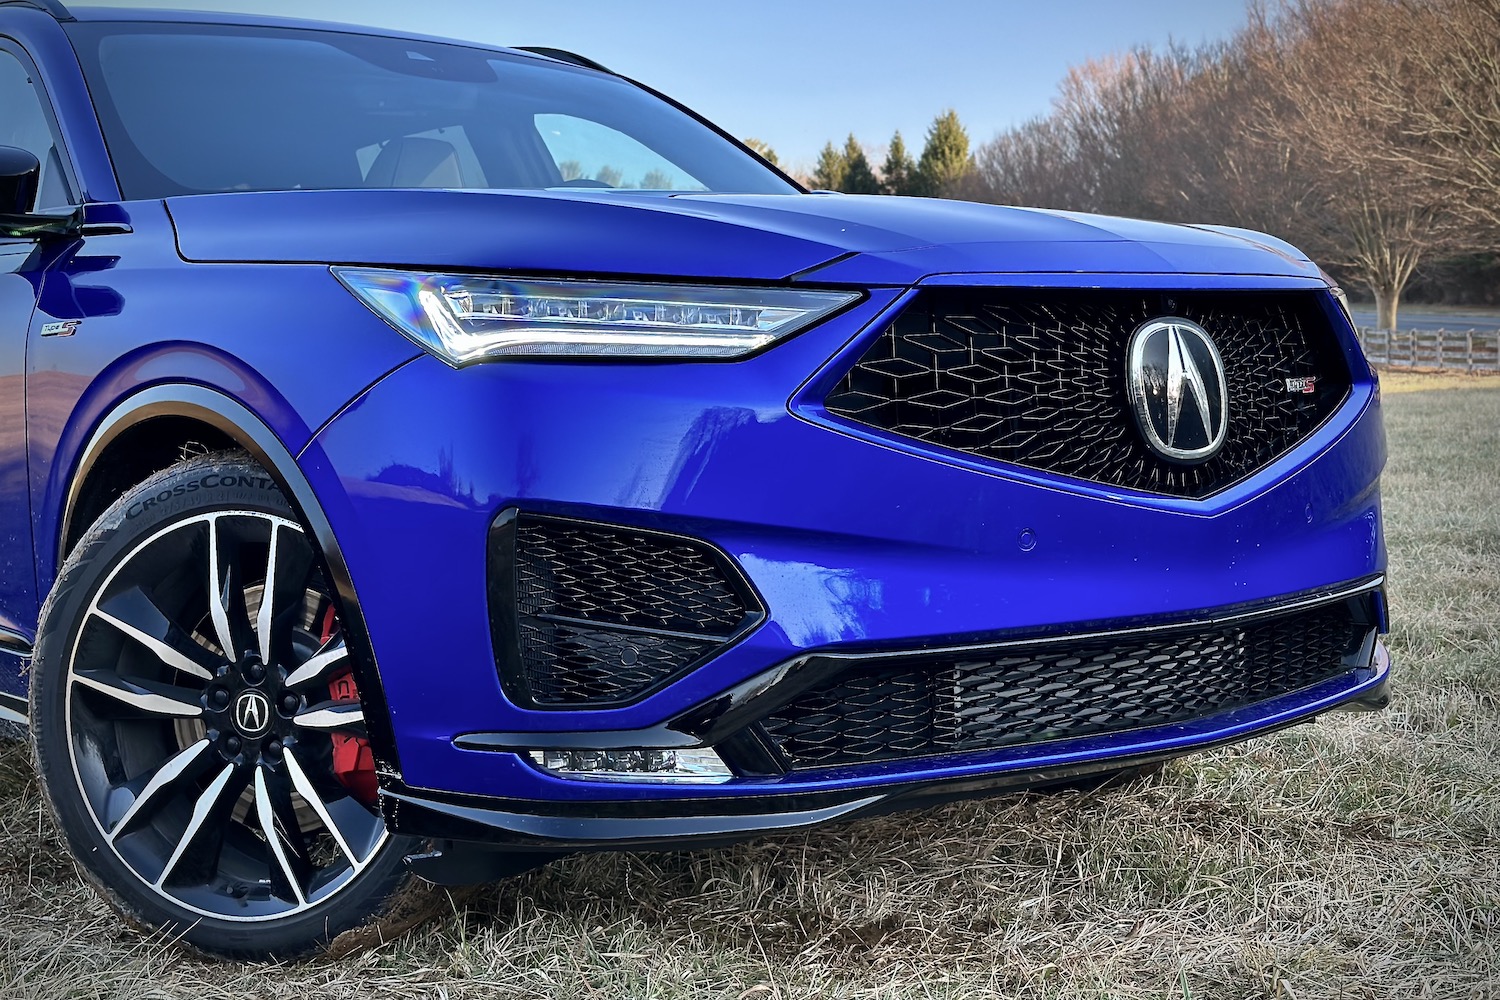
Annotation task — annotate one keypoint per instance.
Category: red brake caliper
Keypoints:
(353, 763)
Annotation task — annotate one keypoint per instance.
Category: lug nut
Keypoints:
(290, 703)
(273, 749)
(255, 672)
(232, 745)
(219, 697)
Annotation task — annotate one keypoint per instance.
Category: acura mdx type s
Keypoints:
(423, 460)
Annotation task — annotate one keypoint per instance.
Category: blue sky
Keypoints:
(798, 74)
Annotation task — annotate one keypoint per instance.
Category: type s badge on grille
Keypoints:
(1178, 391)
(1305, 385)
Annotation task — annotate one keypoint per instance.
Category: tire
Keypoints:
(195, 787)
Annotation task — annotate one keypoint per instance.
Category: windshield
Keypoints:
(193, 109)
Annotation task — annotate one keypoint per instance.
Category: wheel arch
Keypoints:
(163, 419)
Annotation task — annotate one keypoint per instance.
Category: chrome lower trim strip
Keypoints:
(1193, 624)
(13, 708)
(14, 642)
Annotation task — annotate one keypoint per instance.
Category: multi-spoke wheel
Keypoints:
(197, 723)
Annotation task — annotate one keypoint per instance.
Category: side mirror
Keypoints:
(20, 172)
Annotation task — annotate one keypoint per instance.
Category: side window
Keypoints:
(23, 123)
(589, 154)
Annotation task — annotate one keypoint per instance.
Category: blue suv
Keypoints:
(423, 460)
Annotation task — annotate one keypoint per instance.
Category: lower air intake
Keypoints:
(950, 703)
(594, 615)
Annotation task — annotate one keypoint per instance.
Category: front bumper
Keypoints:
(562, 826)
(851, 545)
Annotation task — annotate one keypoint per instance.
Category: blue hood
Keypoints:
(865, 240)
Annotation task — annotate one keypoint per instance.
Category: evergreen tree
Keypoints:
(898, 170)
(945, 158)
(764, 149)
(859, 178)
(831, 167)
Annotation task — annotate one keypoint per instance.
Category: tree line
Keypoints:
(944, 162)
(1367, 132)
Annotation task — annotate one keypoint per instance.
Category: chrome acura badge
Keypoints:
(1175, 378)
(252, 713)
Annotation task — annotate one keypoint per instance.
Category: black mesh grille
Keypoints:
(1038, 379)
(591, 614)
(949, 703)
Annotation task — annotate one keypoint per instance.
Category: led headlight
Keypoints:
(467, 318)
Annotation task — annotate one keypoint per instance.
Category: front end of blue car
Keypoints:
(922, 548)
(440, 459)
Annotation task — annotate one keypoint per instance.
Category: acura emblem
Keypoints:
(252, 713)
(1175, 378)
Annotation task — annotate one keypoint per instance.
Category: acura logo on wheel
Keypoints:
(1177, 388)
(252, 713)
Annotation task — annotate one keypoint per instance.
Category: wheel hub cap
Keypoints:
(252, 714)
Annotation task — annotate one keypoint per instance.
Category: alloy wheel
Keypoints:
(202, 720)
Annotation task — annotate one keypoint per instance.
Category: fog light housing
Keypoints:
(633, 764)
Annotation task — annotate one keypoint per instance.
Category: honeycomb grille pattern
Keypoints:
(945, 704)
(604, 614)
(1038, 379)
(568, 665)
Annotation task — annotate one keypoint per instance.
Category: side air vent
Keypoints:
(588, 615)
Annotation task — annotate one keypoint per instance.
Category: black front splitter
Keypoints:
(480, 840)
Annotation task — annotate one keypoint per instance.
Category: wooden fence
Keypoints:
(1464, 350)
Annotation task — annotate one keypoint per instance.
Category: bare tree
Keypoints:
(1368, 206)
(1439, 87)
(657, 180)
(1366, 131)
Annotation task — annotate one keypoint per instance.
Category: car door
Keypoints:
(24, 123)
(18, 296)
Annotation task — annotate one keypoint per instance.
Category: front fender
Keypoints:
(241, 425)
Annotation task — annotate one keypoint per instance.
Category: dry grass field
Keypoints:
(1355, 858)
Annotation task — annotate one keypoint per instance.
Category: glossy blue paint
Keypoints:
(18, 604)
(849, 539)
(289, 342)
(894, 241)
(854, 540)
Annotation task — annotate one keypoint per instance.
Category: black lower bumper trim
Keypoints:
(561, 828)
(655, 824)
